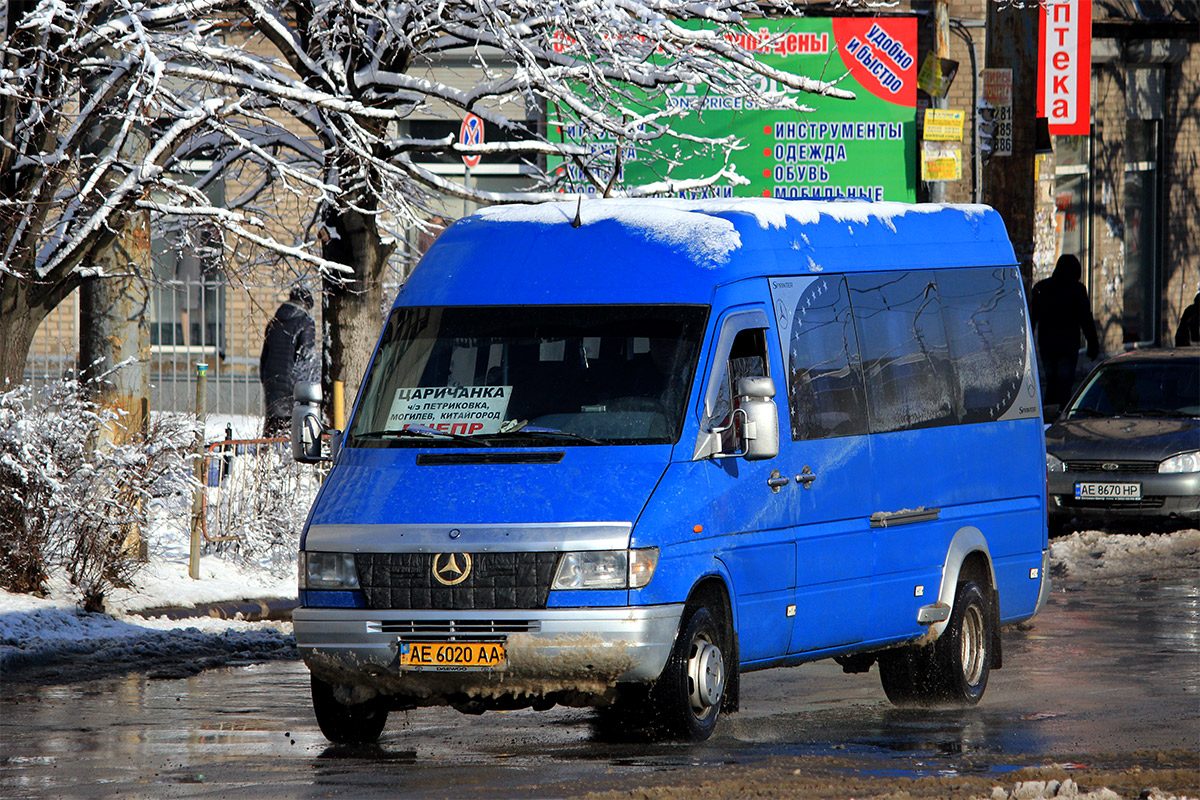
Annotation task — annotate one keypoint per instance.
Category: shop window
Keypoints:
(1072, 185)
(1138, 319)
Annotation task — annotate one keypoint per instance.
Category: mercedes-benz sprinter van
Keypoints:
(615, 453)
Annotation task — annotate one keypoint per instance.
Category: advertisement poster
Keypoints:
(862, 148)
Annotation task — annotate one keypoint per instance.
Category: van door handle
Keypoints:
(806, 477)
(777, 481)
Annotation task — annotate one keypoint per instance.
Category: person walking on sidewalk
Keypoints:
(1059, 312)
(288, 355)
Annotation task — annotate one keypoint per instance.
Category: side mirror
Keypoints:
(306, 423)
(760, 418)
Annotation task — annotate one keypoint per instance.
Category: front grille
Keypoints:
(1121, 466)
(417, 630)
(495, 580)
(1145, 502)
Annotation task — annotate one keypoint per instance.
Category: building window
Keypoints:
(187, 307)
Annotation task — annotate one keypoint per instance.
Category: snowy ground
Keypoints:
(48, 639)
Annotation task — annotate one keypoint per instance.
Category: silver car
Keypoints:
(1125, 451)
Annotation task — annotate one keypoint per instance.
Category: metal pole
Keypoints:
(467, 184)
(339, 405)
(198, 492)
(941, 50)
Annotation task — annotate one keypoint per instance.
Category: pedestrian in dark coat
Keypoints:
(1188, 332)
(288, 355)
(1059, 312)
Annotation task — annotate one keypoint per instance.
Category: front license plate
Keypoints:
(1108, 491)
(452, 656)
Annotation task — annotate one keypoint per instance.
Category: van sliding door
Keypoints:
(829, 459)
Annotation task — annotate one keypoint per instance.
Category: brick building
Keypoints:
(1126, 197)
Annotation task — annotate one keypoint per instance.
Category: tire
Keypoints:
(346, 724)
(954, 669)
(687, 697)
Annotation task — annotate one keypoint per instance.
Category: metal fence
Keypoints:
(191, 322)
(255, 500)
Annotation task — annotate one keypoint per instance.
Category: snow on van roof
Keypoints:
(708, 240)
(693, 225)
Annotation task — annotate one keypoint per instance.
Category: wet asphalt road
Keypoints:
(1108, 675)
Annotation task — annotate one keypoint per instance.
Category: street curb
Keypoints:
(271, 608)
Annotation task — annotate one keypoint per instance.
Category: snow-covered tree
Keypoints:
(314, 98)
(354, 74)
(87, 124)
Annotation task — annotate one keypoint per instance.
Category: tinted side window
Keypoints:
(905, 357)
(985, 320)
(825, 384)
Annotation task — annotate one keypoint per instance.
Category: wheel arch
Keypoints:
(969, 559)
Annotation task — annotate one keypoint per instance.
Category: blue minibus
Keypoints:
(615, 453)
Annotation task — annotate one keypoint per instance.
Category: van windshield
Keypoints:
(530, 376)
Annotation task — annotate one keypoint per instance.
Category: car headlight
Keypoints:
(606, 569)
(328, 571)
(1184, 462)
(1054, 464)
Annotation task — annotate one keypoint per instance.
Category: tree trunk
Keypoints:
(114, 327)
(19, 321)
(352, 304)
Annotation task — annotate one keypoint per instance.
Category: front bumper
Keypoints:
(1168, 501)
(582, 651)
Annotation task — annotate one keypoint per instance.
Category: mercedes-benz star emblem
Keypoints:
(451, 569)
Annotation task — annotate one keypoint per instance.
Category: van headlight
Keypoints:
(1184, 462)
(606, 569)
(1054, 464)
(328, 571)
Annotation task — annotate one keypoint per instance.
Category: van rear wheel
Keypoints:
(954, 669)
(689, 692)
(360, 723)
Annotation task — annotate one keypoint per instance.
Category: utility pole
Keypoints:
(1009, 181)
(941, 50)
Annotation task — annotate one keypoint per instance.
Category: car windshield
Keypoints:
(530, 375)
(1141, 389)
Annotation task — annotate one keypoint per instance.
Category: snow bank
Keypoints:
(1066, 790)
(1095, 557)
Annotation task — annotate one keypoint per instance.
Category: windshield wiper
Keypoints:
(523, 429)
(423, 432)
(1087, 412)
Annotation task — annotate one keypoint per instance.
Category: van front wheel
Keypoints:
(688, 695)
(346, 724)
(955, 668)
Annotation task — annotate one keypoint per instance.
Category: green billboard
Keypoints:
(861, 148)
